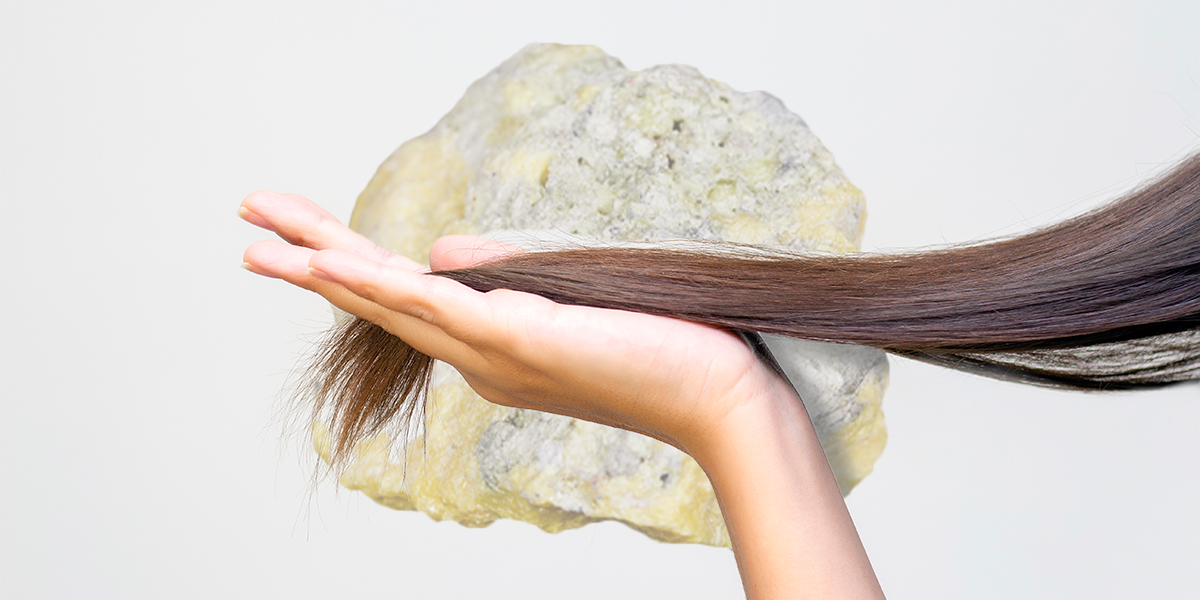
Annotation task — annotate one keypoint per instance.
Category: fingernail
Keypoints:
(257, 271)
(253, 218)
(319, 274)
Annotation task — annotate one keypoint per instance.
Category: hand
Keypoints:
(666, 378)
(698, 388)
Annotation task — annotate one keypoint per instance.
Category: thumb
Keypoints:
(461, 251)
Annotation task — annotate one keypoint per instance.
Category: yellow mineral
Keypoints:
(564, 139)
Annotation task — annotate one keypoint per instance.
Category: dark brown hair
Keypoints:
(1109, 300)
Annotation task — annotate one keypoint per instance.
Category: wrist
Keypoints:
(744, 418)
(790, 530)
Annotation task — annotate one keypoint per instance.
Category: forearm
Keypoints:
(791, 532)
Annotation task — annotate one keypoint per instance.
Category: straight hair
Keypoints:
(1109, 300)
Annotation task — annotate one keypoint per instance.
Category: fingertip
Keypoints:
(258, 198)
(258, 257)
(257, 271)
(258, 249)
(461, 251)
(319, 274)
(324, 259)
(253, 218)
(269, 203)
(323, 263)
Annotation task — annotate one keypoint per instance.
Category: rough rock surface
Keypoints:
(565, 139)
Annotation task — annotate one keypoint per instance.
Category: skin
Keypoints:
(697, 388)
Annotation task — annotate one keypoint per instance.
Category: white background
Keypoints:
(141, 366)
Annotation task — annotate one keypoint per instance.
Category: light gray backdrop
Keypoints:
(141, 366)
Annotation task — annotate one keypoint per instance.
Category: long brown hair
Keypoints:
(1109, 300)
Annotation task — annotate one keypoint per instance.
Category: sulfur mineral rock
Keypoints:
(565, 139)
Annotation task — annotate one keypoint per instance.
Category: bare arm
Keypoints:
(791, 532)
(695, 387)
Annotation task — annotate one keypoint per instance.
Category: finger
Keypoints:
(302, 222)
(421, 335)
(291, 263)
(435, 300)
(277, 259)
(253, 269)
(461, 251)
(252, 218)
